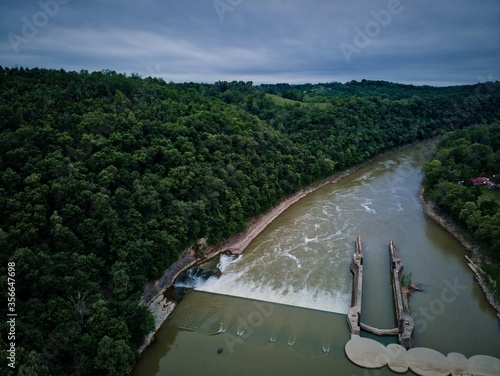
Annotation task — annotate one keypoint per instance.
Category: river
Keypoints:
(280, 307)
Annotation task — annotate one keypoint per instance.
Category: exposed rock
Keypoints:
(161, 308)
(409, 290)
(217, 272)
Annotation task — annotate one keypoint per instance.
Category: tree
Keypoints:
(471, 215)
(32, 364)
(114, 357)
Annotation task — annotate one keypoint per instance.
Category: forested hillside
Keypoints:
(106, 179)
(325, 92)
(456, 181)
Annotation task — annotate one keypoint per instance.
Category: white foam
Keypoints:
(191, 281)
(365, 177)
(194, 281)
(388, 163)
(285, 253)
(365, 205)
(225, 261)
(306, 297)
(308, 240)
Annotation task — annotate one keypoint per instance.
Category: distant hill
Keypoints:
(324, 92)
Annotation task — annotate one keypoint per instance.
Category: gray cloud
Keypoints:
(443, 43)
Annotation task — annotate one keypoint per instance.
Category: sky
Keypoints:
(431, 42)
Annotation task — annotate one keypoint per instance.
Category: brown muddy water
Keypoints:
(279, 309)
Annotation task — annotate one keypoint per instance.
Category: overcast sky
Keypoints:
(434, 42)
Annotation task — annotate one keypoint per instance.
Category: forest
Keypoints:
(106, 178)
(463, 156)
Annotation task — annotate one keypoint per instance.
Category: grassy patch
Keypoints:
(290, 102)
(490, 194)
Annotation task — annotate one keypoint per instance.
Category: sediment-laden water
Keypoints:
(280, 307)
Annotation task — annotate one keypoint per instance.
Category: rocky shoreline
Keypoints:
(430, 211)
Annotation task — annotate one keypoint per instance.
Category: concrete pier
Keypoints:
(368, 353)
(354, 313)
(404, 330)
(405, 321)
(379, 332)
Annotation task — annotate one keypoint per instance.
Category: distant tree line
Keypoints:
(461, 156)
(325, 92)
(107, 178)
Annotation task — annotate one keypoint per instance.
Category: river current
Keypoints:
(280, 307)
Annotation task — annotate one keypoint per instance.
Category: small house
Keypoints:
(479, 181)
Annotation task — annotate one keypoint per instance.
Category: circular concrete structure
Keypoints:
(368, 353)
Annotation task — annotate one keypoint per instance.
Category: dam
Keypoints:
(404, 330)
(400, 358)
(280, 308)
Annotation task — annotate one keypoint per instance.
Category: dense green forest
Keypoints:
(463, 155)
(325, 92)
(107, 178)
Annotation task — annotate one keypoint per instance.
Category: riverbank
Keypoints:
(237, 243)
(472, 249)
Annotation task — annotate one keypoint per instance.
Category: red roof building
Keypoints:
(479, 181)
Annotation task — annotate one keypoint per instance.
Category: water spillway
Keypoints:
(303, 259)
(287, 275)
